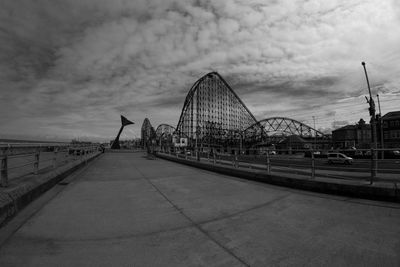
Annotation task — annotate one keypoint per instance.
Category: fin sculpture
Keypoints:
(124, 122)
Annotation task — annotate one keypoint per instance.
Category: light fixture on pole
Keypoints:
(370, 101)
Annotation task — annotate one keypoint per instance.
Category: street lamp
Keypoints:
(381, 127)
(374, 163)
(315, 134)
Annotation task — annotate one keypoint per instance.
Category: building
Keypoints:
(349, 136)
(390, 129)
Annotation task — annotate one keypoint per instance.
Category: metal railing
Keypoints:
(360, 164)
(18, 160)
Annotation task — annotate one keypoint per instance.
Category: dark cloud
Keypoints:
(87, 60)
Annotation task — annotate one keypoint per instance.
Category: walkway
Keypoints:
(126, 210)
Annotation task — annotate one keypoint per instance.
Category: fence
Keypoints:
(18, 160)
(339, 164)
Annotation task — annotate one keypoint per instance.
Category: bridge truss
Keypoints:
(274, 129)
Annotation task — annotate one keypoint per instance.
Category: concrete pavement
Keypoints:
(127, 210)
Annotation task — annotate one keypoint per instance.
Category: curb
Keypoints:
(373, 192)
(14, 199)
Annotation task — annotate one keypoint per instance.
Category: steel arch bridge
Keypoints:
(212, 113)
(275, 128)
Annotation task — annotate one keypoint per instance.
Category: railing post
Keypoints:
(55, 157)
(4, 171)
(85, 155)
(235, 157)
(268, 163)
(374, 165)
(36, 162)
(312, 165)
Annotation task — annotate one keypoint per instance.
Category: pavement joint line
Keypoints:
(262, 205)
(196, 225)
(28, 212)
(116, 238)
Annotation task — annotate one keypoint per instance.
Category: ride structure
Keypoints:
(213, 116)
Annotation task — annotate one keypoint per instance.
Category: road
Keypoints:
(359, 165)
(127, 210)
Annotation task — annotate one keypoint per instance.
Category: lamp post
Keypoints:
(381, 128)
(374, 163)
(315, 134)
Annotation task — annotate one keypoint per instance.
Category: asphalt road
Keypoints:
(127, 210)
(359, 165)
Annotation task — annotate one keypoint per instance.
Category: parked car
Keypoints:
(339, 158)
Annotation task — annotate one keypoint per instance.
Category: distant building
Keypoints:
(358, 136)
(293, 142)
(391, 129)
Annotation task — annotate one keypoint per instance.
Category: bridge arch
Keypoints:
(285, 126)
(275, 128)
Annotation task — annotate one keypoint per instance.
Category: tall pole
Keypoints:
(381, 127)
(374, 163)
(315, 134)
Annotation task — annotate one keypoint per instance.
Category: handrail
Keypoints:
(358, 167)
(11, 153)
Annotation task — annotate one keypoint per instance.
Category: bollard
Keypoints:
(55, 157)
(214, 159)
(4, 172)
(268, 163)
(36, 163)
(312, 165)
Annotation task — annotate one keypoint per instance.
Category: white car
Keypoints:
(339, 158)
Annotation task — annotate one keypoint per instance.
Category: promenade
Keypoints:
(124, 209)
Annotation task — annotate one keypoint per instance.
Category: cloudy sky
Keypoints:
(68, 68)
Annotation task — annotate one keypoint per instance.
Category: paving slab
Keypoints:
(127, 210)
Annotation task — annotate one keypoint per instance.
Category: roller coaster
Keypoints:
(213, 115)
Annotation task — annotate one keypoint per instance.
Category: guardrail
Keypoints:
(18, 160)
(362, 166)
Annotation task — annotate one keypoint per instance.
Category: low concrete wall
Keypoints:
(389, 192)
(14, 198)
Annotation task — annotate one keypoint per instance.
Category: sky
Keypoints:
(69, 68)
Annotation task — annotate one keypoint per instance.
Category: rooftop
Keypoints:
(391, 115)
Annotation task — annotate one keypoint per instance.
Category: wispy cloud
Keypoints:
(71, 67)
